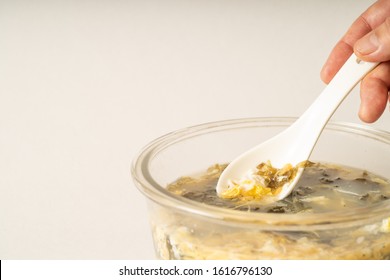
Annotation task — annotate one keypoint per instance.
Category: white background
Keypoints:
(84, 85)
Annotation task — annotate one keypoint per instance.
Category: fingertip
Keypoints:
(325, 74)
(375, 46)
(339, 55)
(373, 96)
(366, 115)
(369, 57)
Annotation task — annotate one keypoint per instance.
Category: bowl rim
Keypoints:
(290, 222)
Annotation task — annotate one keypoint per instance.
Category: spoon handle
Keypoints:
(318, 114)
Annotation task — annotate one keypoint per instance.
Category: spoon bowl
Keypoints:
(295, 144)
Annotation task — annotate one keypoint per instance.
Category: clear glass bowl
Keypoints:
(185, 229)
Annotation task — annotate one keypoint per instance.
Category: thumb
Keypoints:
(375, 46)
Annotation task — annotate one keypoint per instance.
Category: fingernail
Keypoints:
(367, 45)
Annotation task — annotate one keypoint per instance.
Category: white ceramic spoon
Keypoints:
(296, 143)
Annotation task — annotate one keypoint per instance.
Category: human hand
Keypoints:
(369, 38)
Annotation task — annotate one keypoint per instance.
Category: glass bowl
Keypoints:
(185, 229)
